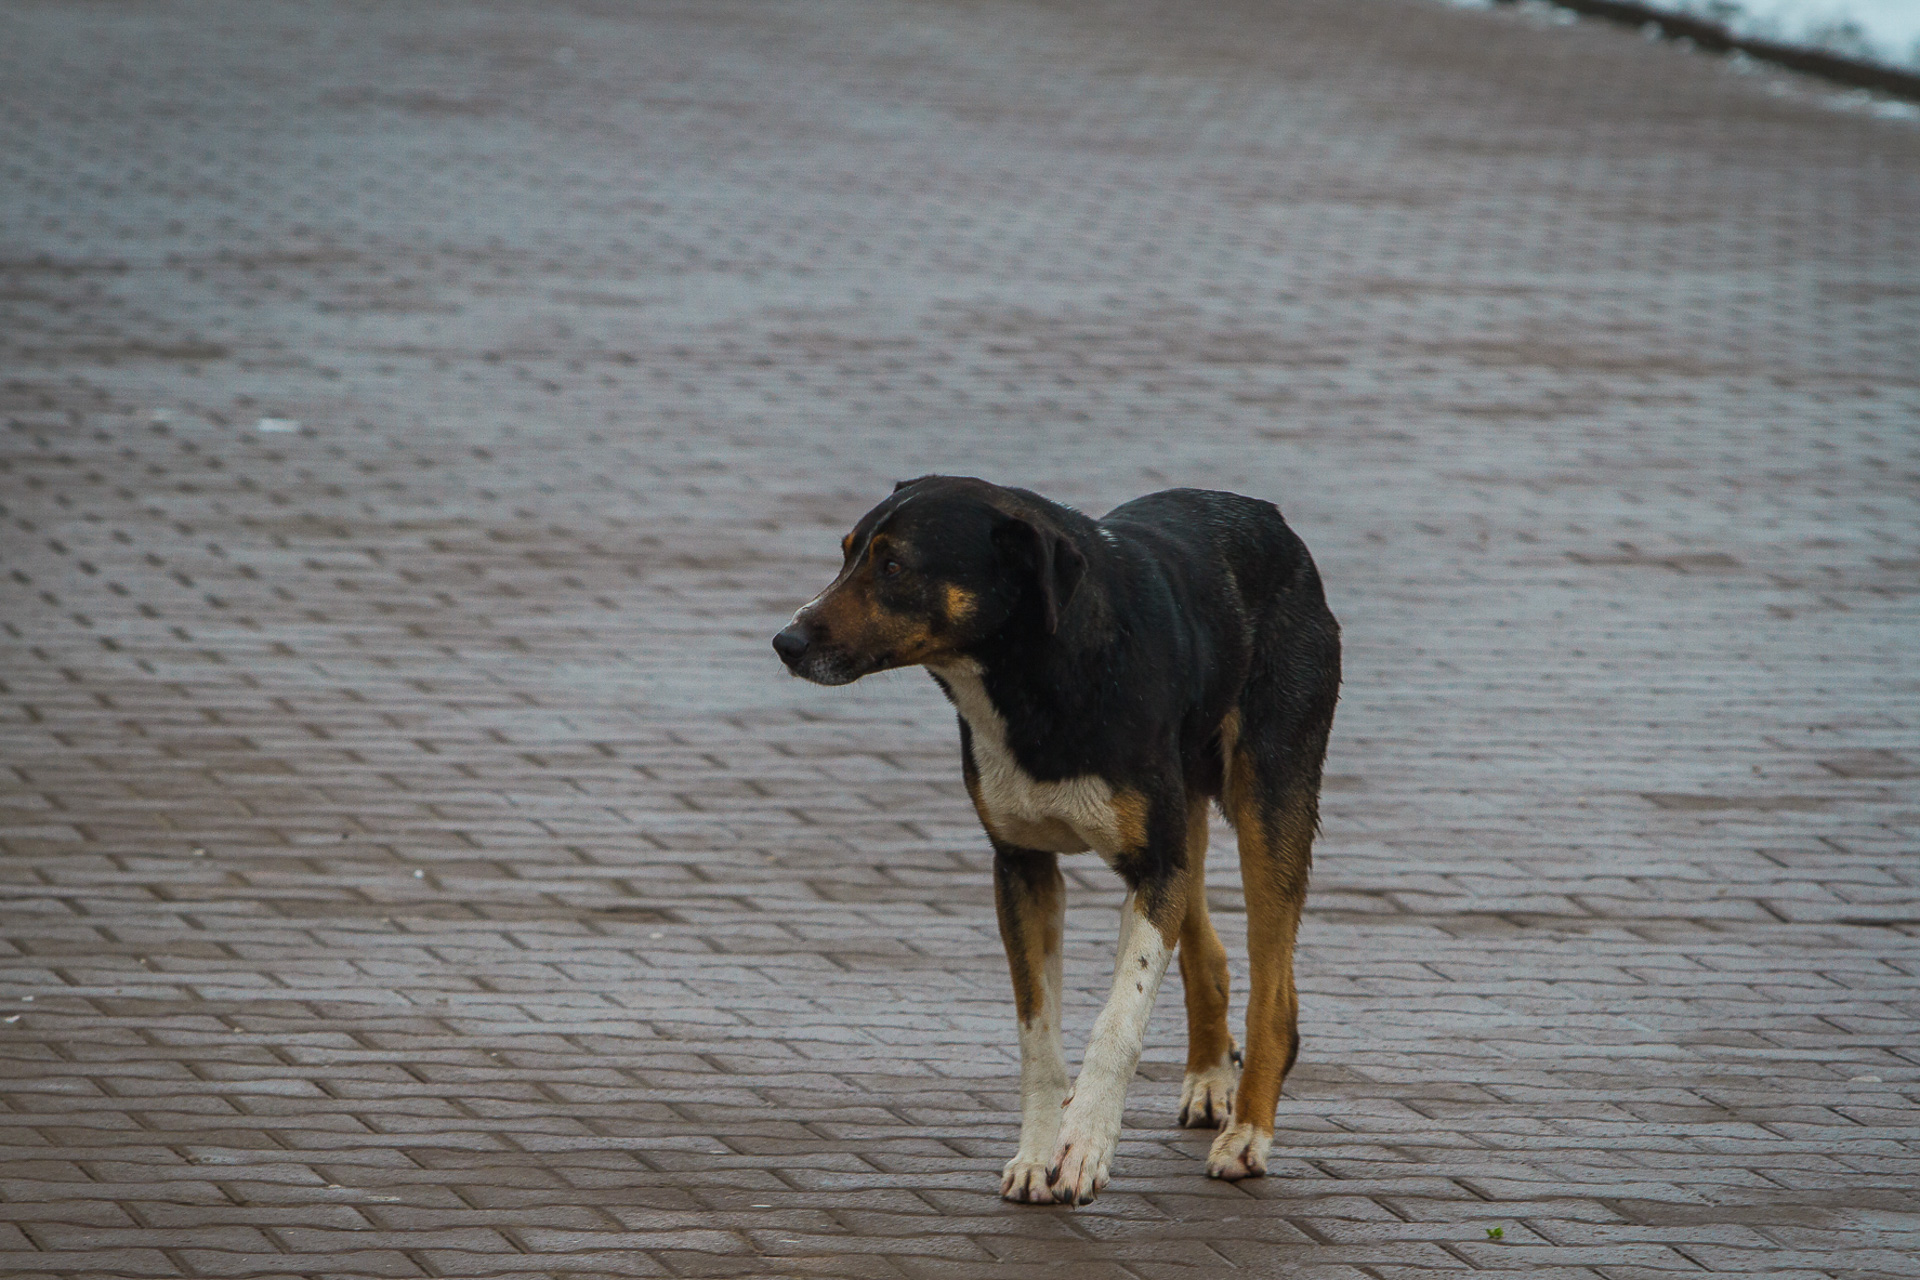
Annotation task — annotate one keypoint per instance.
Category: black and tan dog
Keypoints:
(1113, 676)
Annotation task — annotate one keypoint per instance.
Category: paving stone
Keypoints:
(414, 421)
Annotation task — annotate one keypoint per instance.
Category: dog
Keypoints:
(1112, 677)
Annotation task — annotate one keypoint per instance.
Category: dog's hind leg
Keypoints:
(1272, 797)
(1206, 1094)
(1031, 898)
(1274, 852)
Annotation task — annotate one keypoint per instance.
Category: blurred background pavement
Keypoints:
(415, 419)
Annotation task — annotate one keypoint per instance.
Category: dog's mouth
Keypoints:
(814, 654)
(827, 665)
(826, 668)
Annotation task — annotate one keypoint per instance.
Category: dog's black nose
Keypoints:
(790, 644)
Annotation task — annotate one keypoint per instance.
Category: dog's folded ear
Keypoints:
(1055, 564)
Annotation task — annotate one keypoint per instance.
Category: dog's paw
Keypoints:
(1024, 1181)
(1078, 1171)
(1206, 1097)
(1239, 1152)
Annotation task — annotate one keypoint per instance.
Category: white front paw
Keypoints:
(1024, 1181)
(1079, 1168)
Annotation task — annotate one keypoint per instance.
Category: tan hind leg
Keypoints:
(1276, 844)
(1206, 1094)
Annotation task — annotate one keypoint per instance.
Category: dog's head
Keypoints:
(941, 565)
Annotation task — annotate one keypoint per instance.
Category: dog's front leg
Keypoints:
(1031, 900)
(1090, 1130)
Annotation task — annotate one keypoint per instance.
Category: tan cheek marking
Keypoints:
(912, 641)
(960, 603)
(856, 619)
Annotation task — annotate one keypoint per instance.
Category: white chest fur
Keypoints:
(1069, 816)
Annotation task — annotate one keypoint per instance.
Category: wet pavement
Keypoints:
(415, 419)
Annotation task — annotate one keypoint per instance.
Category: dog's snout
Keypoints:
(791, 644)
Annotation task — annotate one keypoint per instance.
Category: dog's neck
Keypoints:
(965, 682)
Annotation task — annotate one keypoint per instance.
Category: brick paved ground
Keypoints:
(416, 863)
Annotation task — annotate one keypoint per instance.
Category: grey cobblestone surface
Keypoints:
(416, 864)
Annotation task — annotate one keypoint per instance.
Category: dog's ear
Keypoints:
(898, 485)
(1050, 556)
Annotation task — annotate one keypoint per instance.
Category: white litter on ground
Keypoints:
(1877, 30)
(1886, 31)
(277, 425)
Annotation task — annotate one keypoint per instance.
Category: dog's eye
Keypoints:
(890, 569)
